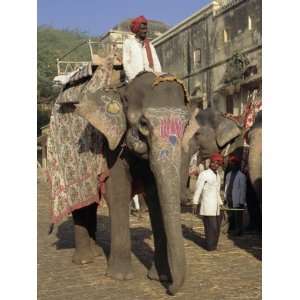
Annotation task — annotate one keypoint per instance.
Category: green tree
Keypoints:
(52, 44)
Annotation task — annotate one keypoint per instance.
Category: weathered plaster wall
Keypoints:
(206, 34)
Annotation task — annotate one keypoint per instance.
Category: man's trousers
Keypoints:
(212, 226)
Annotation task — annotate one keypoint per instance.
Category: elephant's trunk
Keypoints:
(167, 174)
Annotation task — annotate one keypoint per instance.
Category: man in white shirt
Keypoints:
(138, 52)
(235, 194)
(208, 190)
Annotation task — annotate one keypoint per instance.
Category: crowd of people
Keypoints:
(223, 191)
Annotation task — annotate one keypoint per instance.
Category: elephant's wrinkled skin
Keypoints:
(255, 155)
(156, 117)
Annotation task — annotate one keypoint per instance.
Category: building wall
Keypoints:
(198, 52)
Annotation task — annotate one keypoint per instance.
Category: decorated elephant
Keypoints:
(144, 133)
(138, 131)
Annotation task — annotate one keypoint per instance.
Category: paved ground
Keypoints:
(232, 272)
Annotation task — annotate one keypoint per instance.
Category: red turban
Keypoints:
(233, 158)
(136, 23)
(217, 157)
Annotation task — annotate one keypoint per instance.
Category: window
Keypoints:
(225, 36)
(249, 23)
(197, 57)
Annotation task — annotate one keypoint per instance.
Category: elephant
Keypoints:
(255, 155)
(143, 125)
(211, 131)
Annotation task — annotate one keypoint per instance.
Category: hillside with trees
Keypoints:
(52, 44)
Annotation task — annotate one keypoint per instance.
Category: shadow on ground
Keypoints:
(190, 234)
(139, 235)
(250, 243)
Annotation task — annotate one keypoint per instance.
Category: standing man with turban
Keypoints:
(235, 194)
(208, 187)
(138, 52)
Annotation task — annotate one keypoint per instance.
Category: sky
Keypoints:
(96, 17)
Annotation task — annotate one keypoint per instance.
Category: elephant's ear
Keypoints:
(190, 130)
(104, 111)
(226, 131)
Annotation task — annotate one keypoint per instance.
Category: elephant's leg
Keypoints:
(83, 253)
(118, 195)
(92, 228)
(159, 269)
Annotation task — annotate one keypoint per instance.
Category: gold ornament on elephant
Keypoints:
(113, 107)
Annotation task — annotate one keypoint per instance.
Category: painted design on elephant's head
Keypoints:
(171, 129)
(168, 125)
(163, 154)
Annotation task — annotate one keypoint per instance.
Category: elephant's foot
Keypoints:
(119, 270)
(153, 274)
(83, 253)
(82, 257)
(173, 289)
(96, 249)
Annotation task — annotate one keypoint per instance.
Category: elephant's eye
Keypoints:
(143, 126)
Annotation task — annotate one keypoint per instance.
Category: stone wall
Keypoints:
(200, 48)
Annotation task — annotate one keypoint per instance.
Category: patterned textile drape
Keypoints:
(74, 150)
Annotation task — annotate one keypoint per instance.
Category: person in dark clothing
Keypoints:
(235, 194)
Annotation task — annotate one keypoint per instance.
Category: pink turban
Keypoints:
(136, 23)
(233, 158)
(217, 157)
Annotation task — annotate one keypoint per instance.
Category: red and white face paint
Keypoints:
(171, 129)
(168, 125)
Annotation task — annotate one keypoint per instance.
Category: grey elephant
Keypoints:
(255, 156)
(150, 137)
(142, 128)
(211, 131)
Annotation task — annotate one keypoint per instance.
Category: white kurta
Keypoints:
(135, 58)
(239, 188)
(208, 187)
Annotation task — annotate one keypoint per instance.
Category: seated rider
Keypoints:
(138, 52)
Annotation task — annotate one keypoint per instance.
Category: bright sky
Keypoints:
(97, 16)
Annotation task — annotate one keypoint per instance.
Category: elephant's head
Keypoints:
(152, 117)
(208, 132)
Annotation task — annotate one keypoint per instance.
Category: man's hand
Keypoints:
(194, 208)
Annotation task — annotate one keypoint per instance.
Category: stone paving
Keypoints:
(231, 272)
